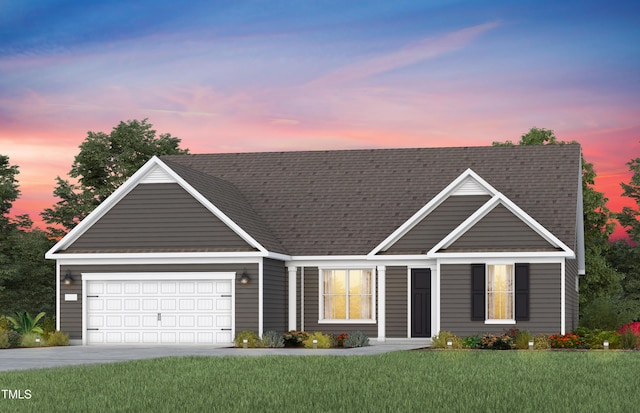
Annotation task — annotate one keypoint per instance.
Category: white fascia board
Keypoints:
(158, 255)
(515, 254)
(130, 184)
(580, 226)
(104, 207)
(158, 260)
(429, 207)
(497, 199)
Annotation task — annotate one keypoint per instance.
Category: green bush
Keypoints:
(271, 339)
(471, 341)
(324, 340)
(48, 325)
(14, 339)
(628, 340)
(4, 339)
(252, 338)
(607, 313)
(356, 339)
(294, 338)
(522, 339)
(594, 339)
(541, 342)
(23, 323)
(58, 338)
(29, 340)
(440, 340)
(4, 324)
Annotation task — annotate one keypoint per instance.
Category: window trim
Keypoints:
(488, 320)
(322, 320)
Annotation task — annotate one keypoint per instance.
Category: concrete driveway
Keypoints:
(37, 358)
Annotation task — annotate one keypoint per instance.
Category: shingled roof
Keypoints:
(347, 202)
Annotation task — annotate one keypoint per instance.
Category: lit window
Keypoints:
(347, 295)
(500, 292)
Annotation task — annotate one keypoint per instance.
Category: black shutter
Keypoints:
(522, 292)
(477, 292)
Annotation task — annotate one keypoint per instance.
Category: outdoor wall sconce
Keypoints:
(244, 278)
(67, 278)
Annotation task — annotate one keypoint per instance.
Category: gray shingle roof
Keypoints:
(347, 202)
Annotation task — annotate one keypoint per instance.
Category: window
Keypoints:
(346, 295)
(500, 292)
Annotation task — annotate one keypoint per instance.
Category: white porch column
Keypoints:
(382, 316)
(292, 298)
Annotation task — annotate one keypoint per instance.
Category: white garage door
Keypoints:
(159, 311)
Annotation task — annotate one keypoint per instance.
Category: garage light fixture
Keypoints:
(244, 278)
(67, 278)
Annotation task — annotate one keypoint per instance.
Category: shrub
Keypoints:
(628, 340)
(58, 338)
(252, 338)
(48, 325)
(440, 340)
(522, 339)
(607, 313)
(512, 332)
(4, 324)
(496, 342)
(633, 327)
(271, 339)
(24, 324)
(294, 338)
(471, 341)
(570, 340)
(541, 342)
(29, 340)
(340, 339)
(356, 339)
(14, 339)
(324, 340)
(4, 339)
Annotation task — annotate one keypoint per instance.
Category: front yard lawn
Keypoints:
(460, 381)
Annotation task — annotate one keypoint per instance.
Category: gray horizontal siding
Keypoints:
(503, 231)
(311, 310)
(159, 216)
(571, 295)
(455, 301)
(396, 298)
(275, 296)
(246, 300)
(438, 224)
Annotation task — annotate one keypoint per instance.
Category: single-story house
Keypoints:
(397, 243)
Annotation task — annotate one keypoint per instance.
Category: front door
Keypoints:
(421, 302)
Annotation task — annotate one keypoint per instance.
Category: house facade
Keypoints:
(397, 243)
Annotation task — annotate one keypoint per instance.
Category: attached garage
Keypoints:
(158, 308)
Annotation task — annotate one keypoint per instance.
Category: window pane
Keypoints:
(355, 282)
(500, 292)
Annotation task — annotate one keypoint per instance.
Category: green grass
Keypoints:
(461, 381)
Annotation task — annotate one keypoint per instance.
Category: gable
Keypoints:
(500, 230)
(435, 226)
(158, 217)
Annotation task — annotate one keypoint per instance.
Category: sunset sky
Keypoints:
(227, 76)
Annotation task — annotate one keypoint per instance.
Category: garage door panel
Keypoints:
(169, 321)
(223, 304)
(159, 312)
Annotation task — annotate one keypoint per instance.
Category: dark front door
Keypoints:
(420, 302)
